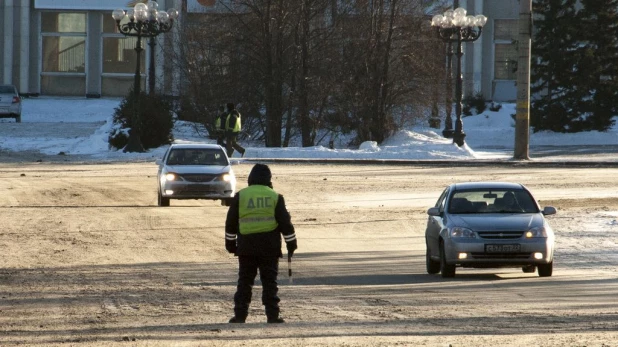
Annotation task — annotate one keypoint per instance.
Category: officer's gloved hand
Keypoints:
(291, 246)
(230, 245)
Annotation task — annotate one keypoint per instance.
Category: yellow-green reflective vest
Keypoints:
(218, 123)
(236, 128)
(256, 210)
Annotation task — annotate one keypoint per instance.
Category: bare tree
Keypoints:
(311, 65)
(382, 40)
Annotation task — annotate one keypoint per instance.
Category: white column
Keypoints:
(24, 46)
(175, 41)
(160, 63)
(478, 52)
(8, 42)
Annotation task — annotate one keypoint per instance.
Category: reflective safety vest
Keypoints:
(236, 128)
(218, 123)
(256, 209)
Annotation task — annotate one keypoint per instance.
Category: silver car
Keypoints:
(10, 102)
(488, 225)
(195, 171)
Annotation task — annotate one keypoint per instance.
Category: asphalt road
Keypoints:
(88, 259)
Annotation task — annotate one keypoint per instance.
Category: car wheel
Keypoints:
(446, 269)
(545, 270)
(433, 267)
(528, 269)
(162, 201)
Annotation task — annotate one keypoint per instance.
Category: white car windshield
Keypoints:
(197, 156)
(7, 90)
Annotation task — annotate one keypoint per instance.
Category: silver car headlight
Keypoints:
(227, 177)
(536, 232)
(170, 176)
(459, 232)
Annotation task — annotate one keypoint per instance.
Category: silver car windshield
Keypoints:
(197, 156)
(492, 201)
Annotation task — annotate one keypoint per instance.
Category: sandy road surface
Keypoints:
(89, 260)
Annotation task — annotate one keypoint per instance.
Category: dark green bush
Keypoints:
(476, 101)
(156, 115)
(118, 138)
(495, 107)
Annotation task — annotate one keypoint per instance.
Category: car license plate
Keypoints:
(201, 188)
(514, 248)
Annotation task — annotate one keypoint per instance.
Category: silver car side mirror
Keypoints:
(549, 210)
(434, 211)
(159, 161)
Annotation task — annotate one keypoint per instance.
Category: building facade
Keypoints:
(72, 47)
(489, 64)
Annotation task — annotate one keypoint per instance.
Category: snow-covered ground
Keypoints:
(79, 126)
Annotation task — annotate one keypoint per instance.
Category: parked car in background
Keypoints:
(195, 171)
(488, 225)
(10, 102)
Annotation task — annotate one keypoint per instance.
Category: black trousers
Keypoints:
(221, 142)
(232, 144)
(247, 270)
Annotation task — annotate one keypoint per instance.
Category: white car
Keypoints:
(10, 102)
(195, 171)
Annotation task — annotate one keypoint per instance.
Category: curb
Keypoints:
(512, 163)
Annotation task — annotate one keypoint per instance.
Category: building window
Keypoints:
(119, 55)
(505, 48)
(506, 29)
(506, 62)
(119, 60)
(63, 42)
(64, 54)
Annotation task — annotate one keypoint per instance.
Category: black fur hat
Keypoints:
(231, 106)
(260, 174)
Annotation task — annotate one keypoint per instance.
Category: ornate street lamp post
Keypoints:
(144, 20)
(448, 122)
(454, 26)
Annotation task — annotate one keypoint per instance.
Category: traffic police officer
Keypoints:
(220, 126)
(256, 219)
(232, 130)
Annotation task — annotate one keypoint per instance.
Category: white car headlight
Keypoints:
(459, 232)
(536, 232)
(227, 177)
(170, 176)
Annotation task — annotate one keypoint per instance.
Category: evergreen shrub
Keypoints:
(157, 121)
(474, 101)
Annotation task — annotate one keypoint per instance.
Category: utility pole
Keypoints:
(522, 115)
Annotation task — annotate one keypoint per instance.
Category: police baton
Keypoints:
(290, 267)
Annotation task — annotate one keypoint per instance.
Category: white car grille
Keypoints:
(199, 177)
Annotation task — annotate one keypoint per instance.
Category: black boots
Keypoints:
(237, 320)
(276, 320)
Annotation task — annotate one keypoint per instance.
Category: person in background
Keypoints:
(255, 222)
(232, 129)
(219, 127)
